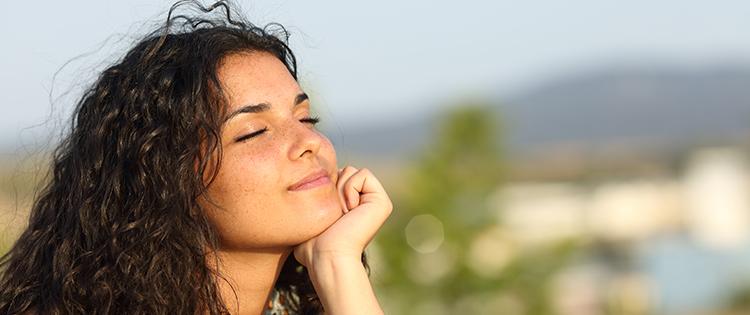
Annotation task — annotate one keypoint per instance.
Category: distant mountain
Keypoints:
(654, 105)
(639, 108)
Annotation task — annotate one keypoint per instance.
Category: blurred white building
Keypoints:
(535, 213)
(635, 210)
(711, 201)
(717, 191)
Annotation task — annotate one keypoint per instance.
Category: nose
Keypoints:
(307, 141)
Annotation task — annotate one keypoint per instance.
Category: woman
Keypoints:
(194, 181)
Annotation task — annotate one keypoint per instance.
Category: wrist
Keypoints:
(342, 284)
(325, 258)
(326, 266)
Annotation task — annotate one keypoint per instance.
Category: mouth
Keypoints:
(316, 179)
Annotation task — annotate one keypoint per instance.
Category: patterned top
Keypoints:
(274, 306)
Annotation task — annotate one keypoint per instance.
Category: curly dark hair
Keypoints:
(116, 227)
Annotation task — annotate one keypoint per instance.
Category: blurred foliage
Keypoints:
(452, 180)
(20, 178)
(739, 299)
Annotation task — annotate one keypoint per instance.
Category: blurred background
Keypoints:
(580, 157)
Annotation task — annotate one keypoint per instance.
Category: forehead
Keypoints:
(255, 77)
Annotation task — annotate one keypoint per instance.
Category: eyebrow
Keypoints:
(262, 107)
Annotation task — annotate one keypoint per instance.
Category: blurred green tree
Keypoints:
(738, 300)
(431, 239)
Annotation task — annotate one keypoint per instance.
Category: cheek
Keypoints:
(249, 174)
(245, 189)
(328, 152)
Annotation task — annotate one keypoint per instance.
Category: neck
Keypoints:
(252, 275)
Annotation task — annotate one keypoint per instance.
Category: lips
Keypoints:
(309, 178)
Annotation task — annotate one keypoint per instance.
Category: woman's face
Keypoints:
(258, 210)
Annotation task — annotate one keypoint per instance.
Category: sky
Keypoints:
(368, 62)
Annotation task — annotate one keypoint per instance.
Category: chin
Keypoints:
(320, 219)
(316, 210)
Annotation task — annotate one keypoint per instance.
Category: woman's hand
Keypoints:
(366, 206)
(333, 257)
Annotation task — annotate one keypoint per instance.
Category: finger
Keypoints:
(344, 174)
(352, 195)
(365, 182)
(364, 187)
(374, 205)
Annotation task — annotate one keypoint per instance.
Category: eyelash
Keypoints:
(311, 120)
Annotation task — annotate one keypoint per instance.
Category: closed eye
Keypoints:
(310, 120)
(251, 135)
